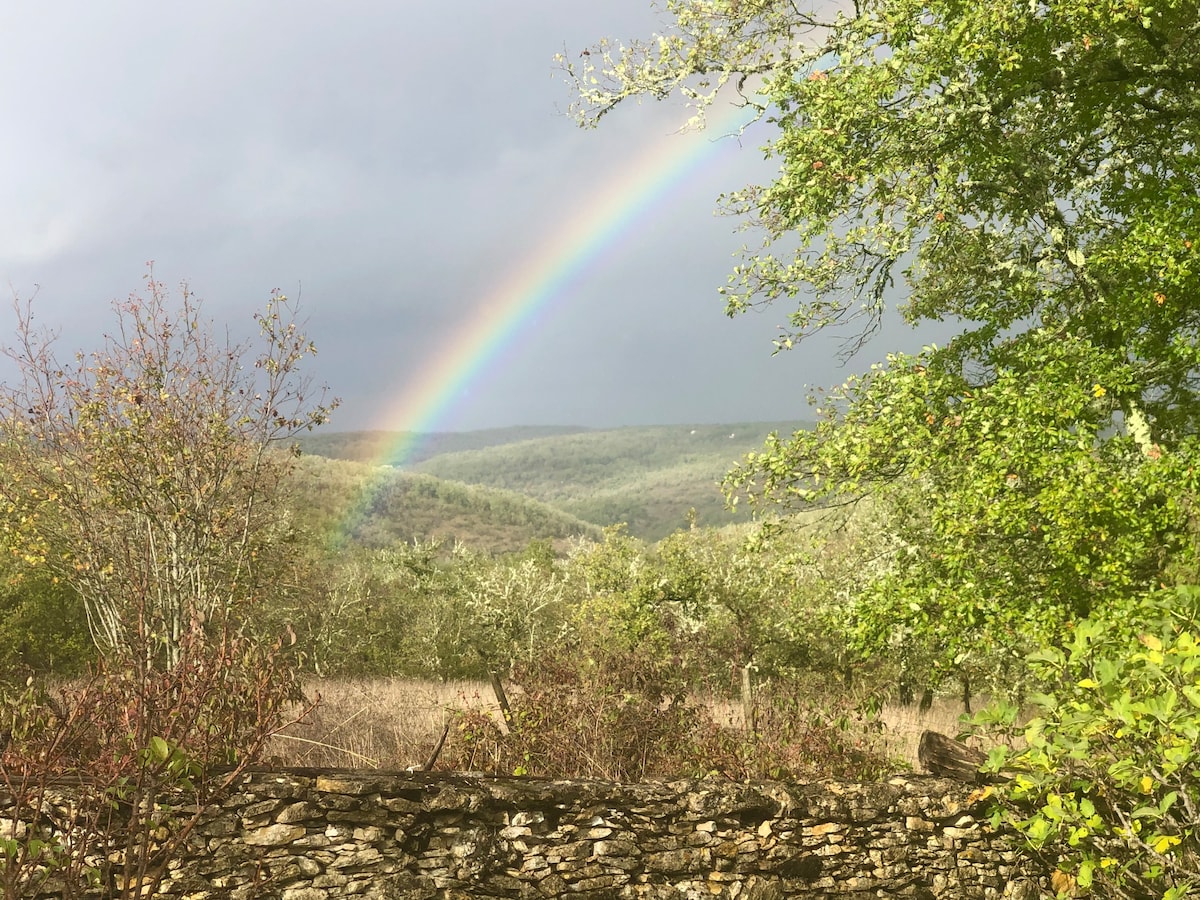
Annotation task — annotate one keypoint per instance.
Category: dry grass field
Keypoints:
(396, 723)
(386, 723)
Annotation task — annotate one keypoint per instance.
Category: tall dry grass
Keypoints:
(395, 723)
(382, 723)
(903, 725)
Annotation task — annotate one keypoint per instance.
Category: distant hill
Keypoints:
(350, 502)
(647, 477)
(379, 447)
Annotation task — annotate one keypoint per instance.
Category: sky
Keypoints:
(407, 170)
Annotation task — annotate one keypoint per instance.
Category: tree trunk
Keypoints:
(748, 712)
(502, 700)
(948, 758)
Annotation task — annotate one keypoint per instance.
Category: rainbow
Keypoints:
(543, 276)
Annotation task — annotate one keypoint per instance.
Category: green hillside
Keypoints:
(379, 447)
(377, 506)
(646, 477)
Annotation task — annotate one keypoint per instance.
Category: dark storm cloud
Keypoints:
(390, 162)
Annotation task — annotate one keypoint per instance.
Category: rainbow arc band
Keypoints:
(545, 274)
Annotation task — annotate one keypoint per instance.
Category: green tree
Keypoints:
(754, 601)
(1028, 174)
(43, 628)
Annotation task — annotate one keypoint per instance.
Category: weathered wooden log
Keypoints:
(943, 756)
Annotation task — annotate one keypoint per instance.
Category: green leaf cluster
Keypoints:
(1016, 507)
(1106, 783)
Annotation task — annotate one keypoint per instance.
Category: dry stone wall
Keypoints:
(313, 835)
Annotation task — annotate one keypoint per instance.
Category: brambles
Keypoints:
(603, 724)
(631, 698)
(799, 734)
(143, 753)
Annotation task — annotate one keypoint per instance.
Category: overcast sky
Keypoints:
(389, 160)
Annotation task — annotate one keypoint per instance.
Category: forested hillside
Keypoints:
(397, 448)
(375, 507)
(648, 478)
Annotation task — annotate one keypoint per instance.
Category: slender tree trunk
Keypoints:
(501, 699)
(748, 712)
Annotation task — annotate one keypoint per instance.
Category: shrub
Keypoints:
(1107, 787)
(144, 478)
(146, 475)
(798, 735)
(615, 718)
(625, 714)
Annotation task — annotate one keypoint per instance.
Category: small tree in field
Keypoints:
(144, 474)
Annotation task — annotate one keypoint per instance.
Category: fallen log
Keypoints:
(947, 758)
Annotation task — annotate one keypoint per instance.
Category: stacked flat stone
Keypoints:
(313, 835)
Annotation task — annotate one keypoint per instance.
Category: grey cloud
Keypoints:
(391, 162)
